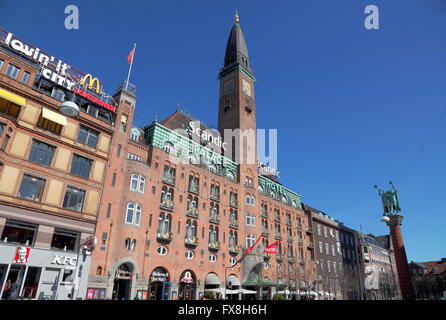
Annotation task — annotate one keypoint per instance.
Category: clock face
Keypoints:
(246, 86)
(228, 87)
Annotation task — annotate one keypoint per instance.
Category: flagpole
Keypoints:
(130, 69)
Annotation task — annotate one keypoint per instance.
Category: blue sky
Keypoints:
(353, 107)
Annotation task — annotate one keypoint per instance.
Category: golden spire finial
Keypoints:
(236, 20)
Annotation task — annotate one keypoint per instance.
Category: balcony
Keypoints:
(266, 256)
(302, 262)
(308, 230)
(299, 226)
(192, 212)
(301, 243)
(279, 257)
(310, 245)
(288, 223)
(291, 259)
(276, 219)
(167, 204)
(289, 239)
(214, 245)
(233, 203)
(191, 241)
(265, 232)
(169, 180)
(164, 237)
(194, 189)
(215, 197)
(234, 249)
(278, 236)
(264, 214)
(233, 224)
(214, 218)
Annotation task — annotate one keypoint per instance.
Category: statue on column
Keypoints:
(390, 200)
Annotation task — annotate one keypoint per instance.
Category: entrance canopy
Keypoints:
(212, 279)
(233, 280)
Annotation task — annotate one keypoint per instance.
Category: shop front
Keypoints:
(187, 289)
(159, 285)
(123, 282)
(35, 273)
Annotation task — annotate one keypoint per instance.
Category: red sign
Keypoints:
(94, 99)
(271, 248)
(21, 255)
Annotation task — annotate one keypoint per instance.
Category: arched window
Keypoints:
(250, 240)
(260, 188)
(134, 182)
(230, 175)
(213, 234)
(137, 183)
(272, 194)
(164, 223)
(284, 200)
(294, 204)
(130, 213)
(168, 147)
(99, 271)
(212, 168)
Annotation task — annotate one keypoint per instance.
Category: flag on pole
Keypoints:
(271, 248)
(130, 60)
(252, 247)
(130, 56)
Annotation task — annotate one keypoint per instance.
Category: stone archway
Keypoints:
(122, 284)
(159, 284)
(187, 288)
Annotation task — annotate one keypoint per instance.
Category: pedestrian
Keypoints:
(7, 288)
(13, 290)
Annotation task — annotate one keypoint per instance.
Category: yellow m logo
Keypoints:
(91, 83)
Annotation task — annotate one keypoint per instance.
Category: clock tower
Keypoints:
(237, 112)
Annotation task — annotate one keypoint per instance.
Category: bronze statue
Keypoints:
(390, 200)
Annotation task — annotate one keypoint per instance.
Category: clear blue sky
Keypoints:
(353, 107)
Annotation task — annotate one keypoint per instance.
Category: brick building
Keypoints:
(51, 172)
(179, 210)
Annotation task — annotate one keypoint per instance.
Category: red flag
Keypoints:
(252, 247)
(271, 248)
(130, 57)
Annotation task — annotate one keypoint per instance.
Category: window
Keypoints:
(194, 184)
(65, 240)
(325, 232)
(327, 250)
(321, 248)
(318, 229)
(123, 123)
(135, 157)
(41, 153)
(25, 77)
(133, 215)
(87, 136)
(12, 71)
(250, 240)
(119, 151)
(189, 254)
(137, 183)
(329, 266)
(19, 232)
(31, 188)
(212, 258)
(169, 175)
(168, 147)
(334, 267)
(333, 250)
(232, 261)
(164, 223)
(108, 210)
(1, 63)
(80, 166)
(49, 125)
(58, 94)
(9, 108)
(74, 199)
(250, 220)
(114, 179)
(162, 251)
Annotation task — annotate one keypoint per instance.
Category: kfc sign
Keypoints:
(21, 255)
(64, 260)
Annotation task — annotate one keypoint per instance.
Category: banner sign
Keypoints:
(56, 70)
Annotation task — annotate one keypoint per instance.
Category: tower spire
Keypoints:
(236, 19)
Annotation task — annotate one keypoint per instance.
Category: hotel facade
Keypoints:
(178, 211)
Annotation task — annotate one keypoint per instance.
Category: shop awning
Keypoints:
(54, 116)
(234, 280)
(212, 279)
(12, 97)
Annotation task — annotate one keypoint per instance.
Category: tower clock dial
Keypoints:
(246, 87)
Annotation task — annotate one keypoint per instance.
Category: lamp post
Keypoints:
(394, 221)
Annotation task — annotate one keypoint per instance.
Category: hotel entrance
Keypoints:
(123, 283)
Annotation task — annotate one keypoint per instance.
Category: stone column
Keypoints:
(402, 267)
